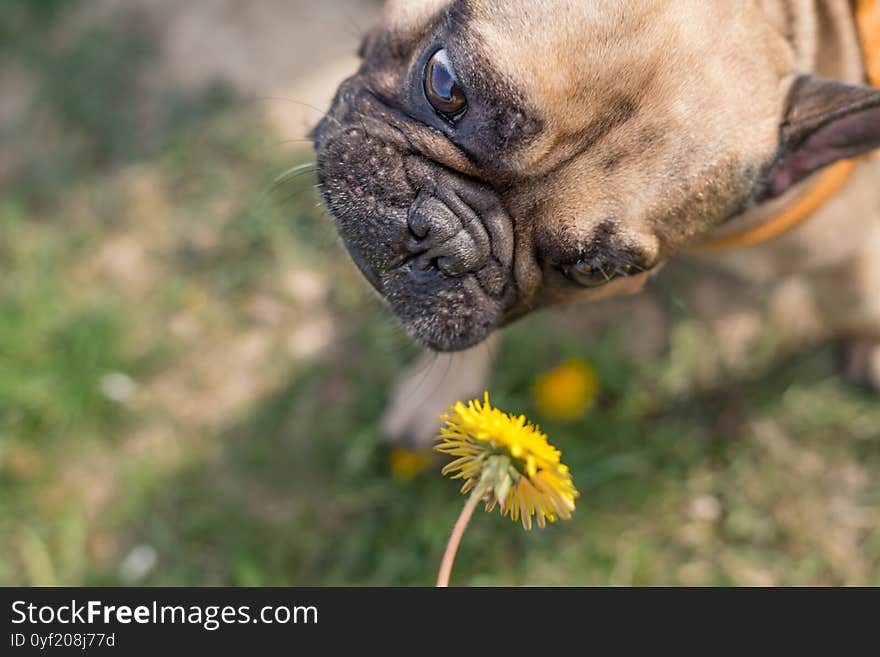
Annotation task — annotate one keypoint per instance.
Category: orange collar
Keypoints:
(833, 179)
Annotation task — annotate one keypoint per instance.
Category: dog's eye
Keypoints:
(442, 88)
(587, 275)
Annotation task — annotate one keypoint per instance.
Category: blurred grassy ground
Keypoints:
(191, 375)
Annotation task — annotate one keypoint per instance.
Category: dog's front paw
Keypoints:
(862, 364)
(428, 388)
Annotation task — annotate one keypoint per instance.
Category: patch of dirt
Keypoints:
(289, 55)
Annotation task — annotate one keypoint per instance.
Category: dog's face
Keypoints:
(493, 157)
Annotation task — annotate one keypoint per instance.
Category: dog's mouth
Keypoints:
(437, 245)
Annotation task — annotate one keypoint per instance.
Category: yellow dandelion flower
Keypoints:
(508, 461)
(567, 391)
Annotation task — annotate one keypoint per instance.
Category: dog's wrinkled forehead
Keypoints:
(409, 17)
(560, 20)
(578, 69)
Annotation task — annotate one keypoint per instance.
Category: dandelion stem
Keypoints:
(455, 538)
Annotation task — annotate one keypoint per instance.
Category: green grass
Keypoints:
(25, 20)
(152, 244)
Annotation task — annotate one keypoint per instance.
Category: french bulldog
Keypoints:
(493, 157)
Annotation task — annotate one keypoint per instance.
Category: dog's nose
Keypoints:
(454, 243)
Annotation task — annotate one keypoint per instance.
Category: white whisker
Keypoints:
(294, 170)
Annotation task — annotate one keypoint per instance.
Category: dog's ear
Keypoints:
(826, 121)
(366, 41)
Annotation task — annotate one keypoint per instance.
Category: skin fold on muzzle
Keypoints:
(437, 245)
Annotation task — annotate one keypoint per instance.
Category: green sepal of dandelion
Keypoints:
(508, 461)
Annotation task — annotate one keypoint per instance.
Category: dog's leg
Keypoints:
(839, 303)
(862, 364)
(863, 355)
(434, 383)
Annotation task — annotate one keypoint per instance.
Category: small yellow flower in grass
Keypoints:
(567, 391)
(508, 462)
(407, 464)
